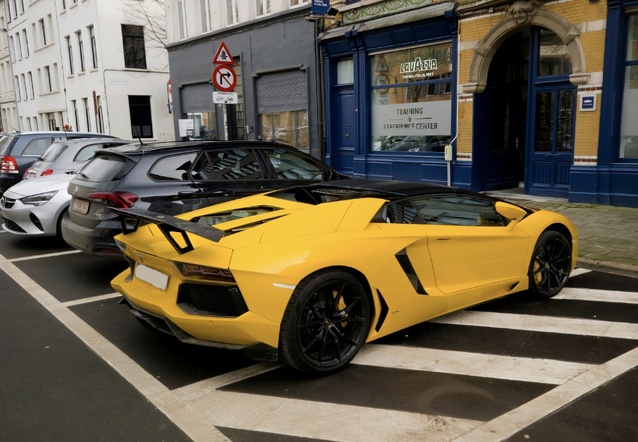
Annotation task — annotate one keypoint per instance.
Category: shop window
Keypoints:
(628, 127)
(141, 120)
(287, 127)
(204, 126)
(412, 99)
(134, 49)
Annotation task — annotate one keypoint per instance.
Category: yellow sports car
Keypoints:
(308, 274)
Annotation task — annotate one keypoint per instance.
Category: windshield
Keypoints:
(105, 168)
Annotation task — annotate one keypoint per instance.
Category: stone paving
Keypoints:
(608, 235)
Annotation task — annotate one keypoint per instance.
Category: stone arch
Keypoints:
(487, 46)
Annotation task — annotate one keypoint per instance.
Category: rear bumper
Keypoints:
(98, 241)
(258, 352)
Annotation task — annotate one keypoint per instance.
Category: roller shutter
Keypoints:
(282, 91)
(198, 98)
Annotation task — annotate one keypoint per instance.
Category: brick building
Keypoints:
(515, 88)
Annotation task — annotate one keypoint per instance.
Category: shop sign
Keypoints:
(424, 118)
(419, 68)
(320, 6)
(588, 103)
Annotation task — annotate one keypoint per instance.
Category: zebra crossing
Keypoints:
(414, 393)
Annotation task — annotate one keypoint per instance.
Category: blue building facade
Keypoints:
(398, 93)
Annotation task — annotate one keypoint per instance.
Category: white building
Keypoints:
(90, 65)
(8, 110)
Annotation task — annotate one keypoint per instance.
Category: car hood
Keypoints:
(35, 186)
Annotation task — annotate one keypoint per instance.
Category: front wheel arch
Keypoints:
(327, 319)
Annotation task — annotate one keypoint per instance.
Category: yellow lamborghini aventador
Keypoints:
(308, 274)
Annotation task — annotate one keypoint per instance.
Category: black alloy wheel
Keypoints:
(325, 323)
(551, 264)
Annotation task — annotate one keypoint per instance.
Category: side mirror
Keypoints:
(510, 211)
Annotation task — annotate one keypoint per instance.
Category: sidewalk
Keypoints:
(608, 235)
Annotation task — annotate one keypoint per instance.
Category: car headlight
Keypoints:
(39, 199)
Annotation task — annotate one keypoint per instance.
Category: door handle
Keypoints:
(554, 156)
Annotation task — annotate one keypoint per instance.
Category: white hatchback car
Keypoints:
(35, 207)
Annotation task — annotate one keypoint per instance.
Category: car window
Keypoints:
(105, 168)
(455, 210)
(4, 142)
(86, 152)
(37, 146)
(174, 167)
(290, 165)
(231, 164)
(54, 151)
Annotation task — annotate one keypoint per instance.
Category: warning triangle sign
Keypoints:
(222, 56)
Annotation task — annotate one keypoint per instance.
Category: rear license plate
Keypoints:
(80, 206)
(151, 276)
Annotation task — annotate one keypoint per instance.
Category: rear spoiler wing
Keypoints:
(167, 224)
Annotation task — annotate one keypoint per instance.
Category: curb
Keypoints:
(608, 265)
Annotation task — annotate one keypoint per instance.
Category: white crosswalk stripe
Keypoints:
(571, 326)
(544, 371)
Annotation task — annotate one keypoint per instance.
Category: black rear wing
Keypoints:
(167, 224)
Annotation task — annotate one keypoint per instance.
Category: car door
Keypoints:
(475, 254)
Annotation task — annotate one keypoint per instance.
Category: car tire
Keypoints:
(325, 323)
(550, 265)
(58, 224)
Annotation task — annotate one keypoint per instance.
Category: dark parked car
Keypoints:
(173, 178)
(19, 150)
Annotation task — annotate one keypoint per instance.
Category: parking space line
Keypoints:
(514, 421)
(285, 416)
(45, 255)
(91, 299)
(131, 371)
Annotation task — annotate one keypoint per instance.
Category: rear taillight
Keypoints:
(46, 172)
(197, 271)
(8, 165)
(120, 200)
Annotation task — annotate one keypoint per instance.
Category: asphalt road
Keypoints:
(76, 366)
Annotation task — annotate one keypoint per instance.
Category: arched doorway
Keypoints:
(523, 76)
(524, 119)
